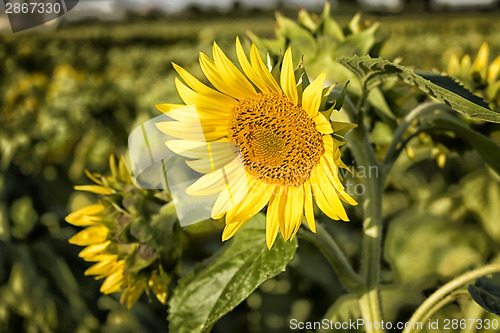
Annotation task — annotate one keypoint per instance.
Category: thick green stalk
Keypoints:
(327, 245)
(369, 301)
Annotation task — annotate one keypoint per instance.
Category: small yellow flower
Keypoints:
(264, 142)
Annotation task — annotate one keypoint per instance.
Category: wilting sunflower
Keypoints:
(264, 142)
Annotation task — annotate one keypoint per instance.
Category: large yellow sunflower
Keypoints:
(263, 143)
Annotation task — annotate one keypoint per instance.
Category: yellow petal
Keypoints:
(167, 107)
(207, 165)
(322, 125)
(197, 150)
(234, 192)
(257, 197)
(287, 78)
(132, 294)
(234, 82)
(190, 113)
(103, 267)
(308, 206)
(90, 252)
(196, 85)
(337, 185)
(494, 70)
(84, 216)
(231, 229)
(273, 216)
(192, 130)
(113, 282)
(480, 65)
(205, 104)
(92, 235)
(248, 70)
(208, 156)
(465, 64)
(215, 181)
(294, 210)
(329, 193)
(454, 66)
(97, 189)
(262, 71)
(311, 97)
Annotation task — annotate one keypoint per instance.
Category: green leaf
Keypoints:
(374, 70)
(228, 278)
(336, 97)
(450, 84)
(486, 293)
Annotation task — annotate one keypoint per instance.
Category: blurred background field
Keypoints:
(71, 94)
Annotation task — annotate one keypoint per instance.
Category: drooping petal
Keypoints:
(274, 216)
(294, 210)
(327, 192)
(308, 206)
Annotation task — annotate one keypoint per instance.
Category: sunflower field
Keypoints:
(326, 172)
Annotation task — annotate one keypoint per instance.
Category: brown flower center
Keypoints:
(278, 141)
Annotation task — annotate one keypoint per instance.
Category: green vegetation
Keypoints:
(70, 97)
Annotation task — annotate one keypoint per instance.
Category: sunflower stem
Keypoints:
(430, 303)
(337, 259)
(369, 300)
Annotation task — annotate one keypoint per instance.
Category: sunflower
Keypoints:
(263, 142)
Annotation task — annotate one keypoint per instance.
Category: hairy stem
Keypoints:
(369, 301)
